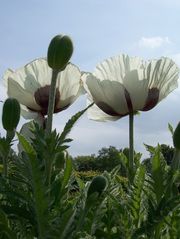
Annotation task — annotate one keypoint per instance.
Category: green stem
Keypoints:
(131, 147)
(51, 104)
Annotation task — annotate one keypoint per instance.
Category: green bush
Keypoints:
(42, 195)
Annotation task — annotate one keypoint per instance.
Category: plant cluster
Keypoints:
(41, 194)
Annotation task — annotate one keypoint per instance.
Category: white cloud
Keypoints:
(153, 42)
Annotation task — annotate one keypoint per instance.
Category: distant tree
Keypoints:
(85, 163)
(147, 163)
(167, 152)
(108, 158)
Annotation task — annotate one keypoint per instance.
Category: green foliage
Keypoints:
(33, 206)
(166, 151)
(85, 163)
(106, 159)
(43, 196)
(176, 137)
(35, 197)
(137, 199)
(5, 231)
(86, 175)
(158, 174)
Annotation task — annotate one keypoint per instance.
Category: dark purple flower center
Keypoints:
(128, 101)
(151, 102)
(152, 99)
(42, 99)
(107, 108)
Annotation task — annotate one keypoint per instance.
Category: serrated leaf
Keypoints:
(170, 128)
(71, 123)
(67, 140)
(26, 145)
(149, 148)
(136, 199)
(158, 174)
(67, 172)
(80, 183)
(4, 227)
(39, 192)
(123, 159)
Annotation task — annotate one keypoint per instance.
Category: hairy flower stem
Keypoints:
(131, 148)
(51, 104)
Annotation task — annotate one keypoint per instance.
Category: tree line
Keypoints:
(108, 158)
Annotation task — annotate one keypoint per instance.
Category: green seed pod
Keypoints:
(176, 137)
(11, 114)
(59, 52)
(98, 184)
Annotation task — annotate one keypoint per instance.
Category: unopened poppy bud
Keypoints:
(59, 52)
(98, 184)
(176, 137)
(11, 114)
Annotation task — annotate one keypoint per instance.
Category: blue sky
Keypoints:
(99, 29)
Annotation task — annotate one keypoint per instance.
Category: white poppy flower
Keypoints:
(122, 85)
(30, 85)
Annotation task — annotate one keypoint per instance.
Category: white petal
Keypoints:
(163, 74)
(33, 75)
(24, 97)
(109, 92)
(95, 113)
(69, 84)
(40, 71)
(126, 83)
(115, 68)
(84, 77)
(129, 72)
(6, 75)
(137, 86)
(28, 114)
